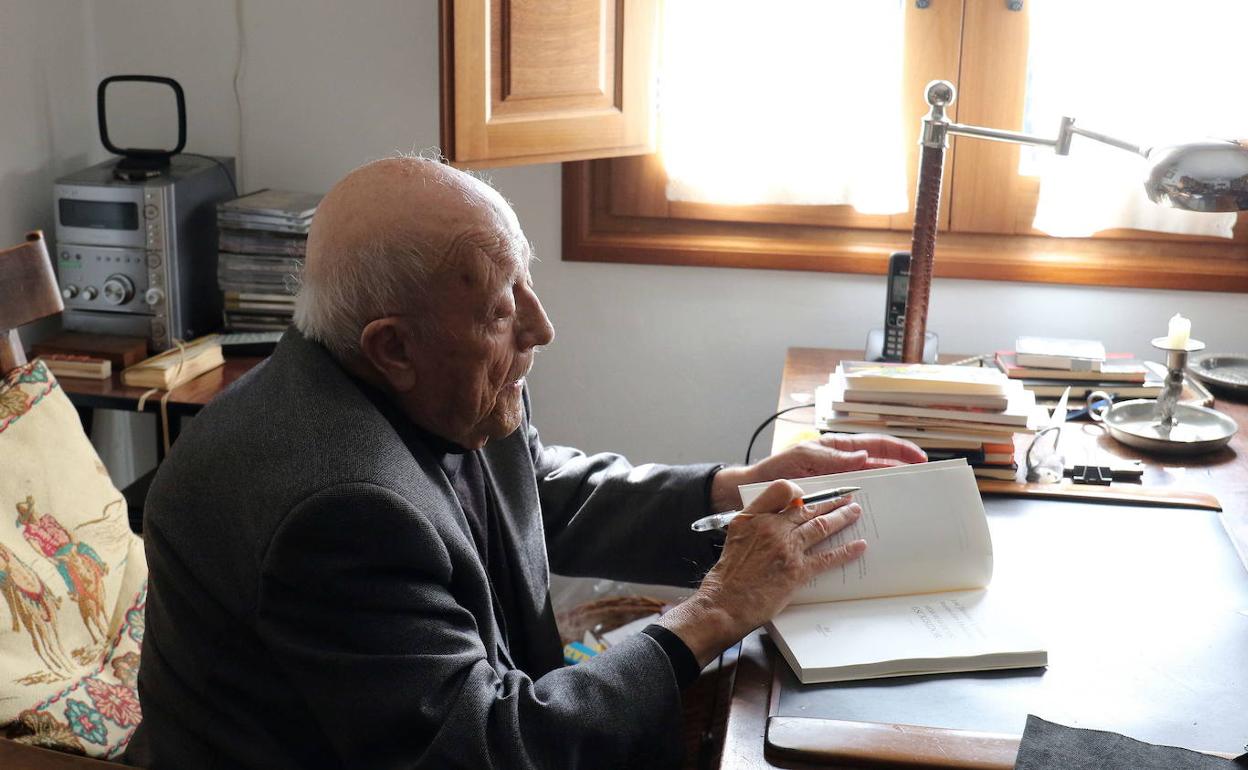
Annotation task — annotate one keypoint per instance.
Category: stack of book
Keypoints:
(1047, 366)
(948, 411)
(262, 241)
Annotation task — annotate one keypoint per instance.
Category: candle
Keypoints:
(1180, 330)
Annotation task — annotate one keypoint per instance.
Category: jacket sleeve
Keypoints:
(606, 518)
(358, 602)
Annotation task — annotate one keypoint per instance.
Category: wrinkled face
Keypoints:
(487, 322)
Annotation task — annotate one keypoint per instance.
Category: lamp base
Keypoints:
(875, 347)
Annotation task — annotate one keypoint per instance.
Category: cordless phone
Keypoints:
(895, 305)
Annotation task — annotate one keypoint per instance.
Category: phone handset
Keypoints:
(888, 344)
(895, 305)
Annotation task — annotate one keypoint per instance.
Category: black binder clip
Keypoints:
(1098, 475)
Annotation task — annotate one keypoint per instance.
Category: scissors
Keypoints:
(720, 521)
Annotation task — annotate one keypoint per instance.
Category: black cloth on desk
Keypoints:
(1046, 745)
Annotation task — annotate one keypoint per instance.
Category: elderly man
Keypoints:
(350, 548)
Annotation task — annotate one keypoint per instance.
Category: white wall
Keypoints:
(665, 363)
(47, 128)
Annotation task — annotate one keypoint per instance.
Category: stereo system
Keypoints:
(136, 238)
(139, 258)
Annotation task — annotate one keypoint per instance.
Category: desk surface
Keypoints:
(186, 399)
(1223, 473)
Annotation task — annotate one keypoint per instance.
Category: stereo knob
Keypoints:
(154, 296)
(69, 292)
(90, 293)
(118, 290)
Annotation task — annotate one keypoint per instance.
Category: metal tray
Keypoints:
(1199, 429)
(1225, 372)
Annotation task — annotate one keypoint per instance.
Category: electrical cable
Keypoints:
(767, 422)
(238, 98)
(225, 169)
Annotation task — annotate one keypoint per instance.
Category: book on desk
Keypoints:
(918, 601)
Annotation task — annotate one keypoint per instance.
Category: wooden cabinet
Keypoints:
(534, 81)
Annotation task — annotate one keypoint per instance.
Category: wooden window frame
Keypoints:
(615, 210)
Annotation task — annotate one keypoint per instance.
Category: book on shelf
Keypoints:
(1115, 372)
(889, 613)
(176, 366)
(1056, 353)
(86, 367)
(927, 379)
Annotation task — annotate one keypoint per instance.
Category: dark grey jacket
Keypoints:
(316, 600)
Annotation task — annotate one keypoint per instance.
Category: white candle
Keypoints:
(1180, 331)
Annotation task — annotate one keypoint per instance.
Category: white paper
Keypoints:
(925, 528)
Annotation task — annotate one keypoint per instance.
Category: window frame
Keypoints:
(615, 210)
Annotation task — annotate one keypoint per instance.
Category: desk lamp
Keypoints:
(1207, 176)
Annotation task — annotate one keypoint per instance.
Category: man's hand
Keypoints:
(830, 453)
(767, 556)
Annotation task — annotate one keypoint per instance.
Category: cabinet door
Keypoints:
(536, 81)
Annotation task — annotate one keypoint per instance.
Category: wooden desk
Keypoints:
(1223, 473)
(185, 400)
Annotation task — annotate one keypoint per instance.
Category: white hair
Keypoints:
(343, 293)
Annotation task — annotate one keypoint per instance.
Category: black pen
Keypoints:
(720, 520)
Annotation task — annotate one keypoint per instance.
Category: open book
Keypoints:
(917, 602)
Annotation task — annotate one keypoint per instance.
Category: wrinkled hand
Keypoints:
(767, 556)
(830, 453)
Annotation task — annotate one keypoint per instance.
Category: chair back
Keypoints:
(28, 292)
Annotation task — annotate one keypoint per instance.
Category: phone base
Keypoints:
(875, 347)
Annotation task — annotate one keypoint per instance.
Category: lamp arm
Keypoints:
(1060, 145)
(1069, 127)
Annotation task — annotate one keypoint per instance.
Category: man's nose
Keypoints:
(535, 326)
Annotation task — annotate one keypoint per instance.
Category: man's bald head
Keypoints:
(379, 236)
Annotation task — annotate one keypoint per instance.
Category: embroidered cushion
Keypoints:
(72, 579)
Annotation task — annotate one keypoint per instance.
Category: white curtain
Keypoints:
(1152, 72)
(787, 102)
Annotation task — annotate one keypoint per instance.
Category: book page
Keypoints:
(930, 633)
(925, 528)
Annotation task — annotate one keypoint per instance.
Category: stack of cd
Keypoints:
(262, 241)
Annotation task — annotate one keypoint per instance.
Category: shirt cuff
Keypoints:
(684, 665)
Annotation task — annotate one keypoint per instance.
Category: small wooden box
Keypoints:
(122, 351)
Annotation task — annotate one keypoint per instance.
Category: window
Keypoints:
(620, 209)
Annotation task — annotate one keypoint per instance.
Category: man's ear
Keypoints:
(389, 347)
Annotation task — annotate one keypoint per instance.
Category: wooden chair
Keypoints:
(28, 292)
